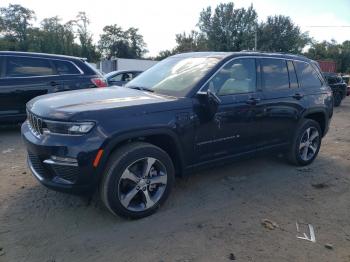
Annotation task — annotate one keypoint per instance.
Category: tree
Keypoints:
(88, 49)
(194, 41)
(340, 53)
(280, 34)
(114, 42)
(163, 54)
(14, 24)
(227, 28)
(136, 42)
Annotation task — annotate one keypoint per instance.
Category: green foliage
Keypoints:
(227, 28)
(163, 54)
(230, 29)
(18, 34)
(14, 23)
(339, 53)
(115, 42)
(280, 34)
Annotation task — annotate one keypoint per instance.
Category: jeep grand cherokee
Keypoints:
(190, 110)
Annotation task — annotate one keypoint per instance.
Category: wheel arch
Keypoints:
(164, 138)
(320, 116)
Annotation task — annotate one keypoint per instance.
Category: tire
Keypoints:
(123, 189)
(337, 99)
(304, 147)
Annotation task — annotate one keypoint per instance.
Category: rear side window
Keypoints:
(26, 67)
(274, 74)
(65, 68)
(292, 75)
(307, 75)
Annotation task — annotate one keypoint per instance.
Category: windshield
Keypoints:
(174, 76)
(109, 74)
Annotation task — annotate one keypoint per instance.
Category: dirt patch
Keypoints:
(214, 215)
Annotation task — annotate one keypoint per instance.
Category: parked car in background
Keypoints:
(346, 79)
(338, 86)
(121, 77)
(188, 111)
(24, 76)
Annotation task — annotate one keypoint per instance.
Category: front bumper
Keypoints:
(77, 174)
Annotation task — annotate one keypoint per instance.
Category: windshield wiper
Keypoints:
(142, 88)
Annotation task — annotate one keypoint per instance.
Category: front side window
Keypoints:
(174, 76)
(274, 74)
(236, 77)
(65, 68)
(307, 75)
(27, 67)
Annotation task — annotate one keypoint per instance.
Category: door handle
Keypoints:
(253, 101)
(298, 96)
(54, 83)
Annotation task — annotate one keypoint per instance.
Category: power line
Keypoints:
(328, 26)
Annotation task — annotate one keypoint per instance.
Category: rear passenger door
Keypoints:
(23, 78)
(69, 76)
(282, 101)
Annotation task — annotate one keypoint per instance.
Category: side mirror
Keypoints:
(208, 104)
(213, 97)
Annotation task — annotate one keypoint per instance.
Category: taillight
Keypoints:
(99, 82)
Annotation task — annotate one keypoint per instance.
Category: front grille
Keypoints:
(69, 173)
(35, 123)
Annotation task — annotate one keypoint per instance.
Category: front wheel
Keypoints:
(137, 180)
(306, 143)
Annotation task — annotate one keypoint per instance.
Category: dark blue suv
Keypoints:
(190, 110)
(25, 75)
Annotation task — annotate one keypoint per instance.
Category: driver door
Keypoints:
(234, 127)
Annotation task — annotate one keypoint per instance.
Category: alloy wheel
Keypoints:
(309, 143)
(142, 184)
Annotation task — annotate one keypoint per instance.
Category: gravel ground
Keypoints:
(213, 215)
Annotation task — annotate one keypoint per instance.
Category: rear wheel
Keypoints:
(306, 143)
(137, 180)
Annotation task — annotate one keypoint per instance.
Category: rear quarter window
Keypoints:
(307, 75)
(27, 67)
(66, 67)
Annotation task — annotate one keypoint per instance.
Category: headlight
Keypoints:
(67, 128)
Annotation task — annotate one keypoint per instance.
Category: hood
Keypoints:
(66, 104)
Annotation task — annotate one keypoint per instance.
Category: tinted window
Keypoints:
(25, 66)
(238, 76)
(292, 75)
(274, 74)
(65, 68)
(117, 77)
(125, 77)
(307, 75)
(1, 66)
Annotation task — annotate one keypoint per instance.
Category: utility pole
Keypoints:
(256, 38)
(256, 41)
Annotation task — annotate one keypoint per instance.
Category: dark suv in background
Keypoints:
(24, 76)
(338, 86)
(188, 111)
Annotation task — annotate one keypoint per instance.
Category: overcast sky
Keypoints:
(160, 20)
